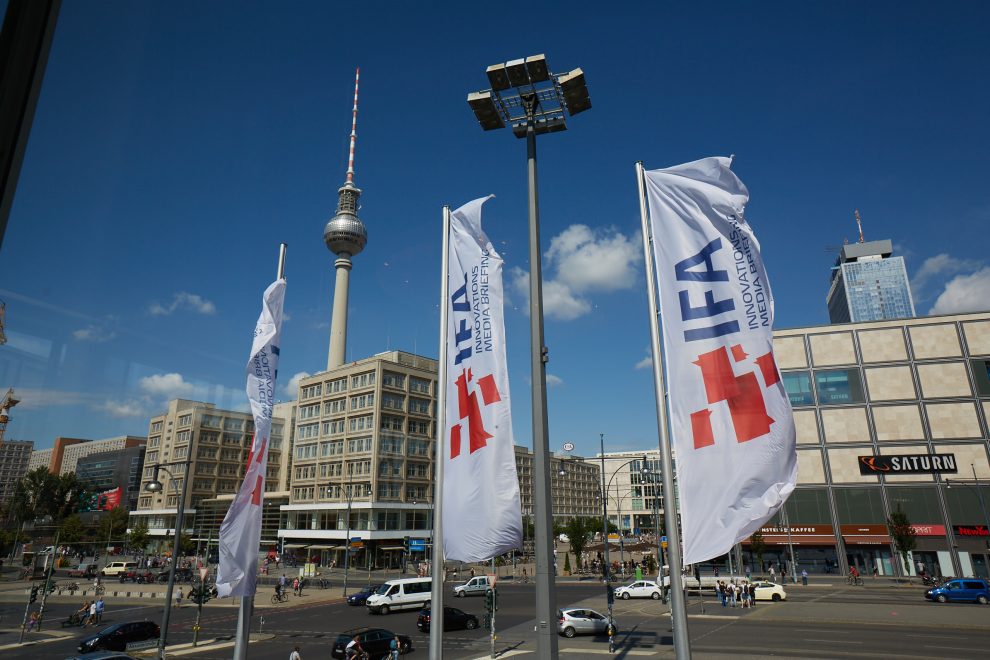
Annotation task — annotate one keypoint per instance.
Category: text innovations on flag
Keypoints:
(266, 381)
(754, 297)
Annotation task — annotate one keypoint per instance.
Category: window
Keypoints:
(209, 437)
(358, 468)
(306, 472)
(184, 420)
(389, 490)
(233, 425)
(334, 448)
(335, 406)
(339, 385)
(391, 423)
(418, 447)
(331, 470)
(417, 470)
(156, 427)
(305, 451)
(155, 441)
(311, 391)
(206, 469)
(393, 401)
(390, 469)
(385, 520)
(180, 452)
(276, 428)
(419, 406)
(415, 493)
(839, 386)
(309, 412)
(182, 437)
(420, 385)
(151, 457)
(390, 444)
(308, 431)
(232, 438)
(359, 444)
(392, 379)
(363, 401)
(419, 427)
(797, 384)
(856, 506)
(360, 423)
(981, 374)
(363, 380)
(333, 427)
(212, 421)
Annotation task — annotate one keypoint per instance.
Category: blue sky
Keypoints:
(176, 144)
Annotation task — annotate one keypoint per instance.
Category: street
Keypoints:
(818, 621)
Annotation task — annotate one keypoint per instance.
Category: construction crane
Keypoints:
(6, 404)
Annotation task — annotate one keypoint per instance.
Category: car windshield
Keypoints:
(111, 629)
(382, 590)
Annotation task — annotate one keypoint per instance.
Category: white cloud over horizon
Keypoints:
(965, 293)
(933, 268)
(553, 381)
(183, 300)
(292, 386)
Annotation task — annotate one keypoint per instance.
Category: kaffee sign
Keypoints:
(908, 464)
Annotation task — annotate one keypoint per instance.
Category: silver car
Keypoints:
(575, 621)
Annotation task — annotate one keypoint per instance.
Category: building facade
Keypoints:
(634, 498)
(364, 444)
(110, 469)
(890, 416)
(73, 452)
(209, 446)
(15, 455)
(575, 485)
(868, 284)
(52, 458)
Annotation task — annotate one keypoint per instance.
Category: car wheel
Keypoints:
(460, 594)
(625, 595)
(655, 595)
(775, 598)
(471, 624)
(568, 632)
(385, 609)
(941, 598)
(981, 599)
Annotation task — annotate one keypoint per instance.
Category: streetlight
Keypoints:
(155, 486)
(979, 493)
(649, 476)
(347, 539)
(527, 96)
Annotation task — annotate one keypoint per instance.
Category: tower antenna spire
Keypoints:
(350, 157)
(859, 224)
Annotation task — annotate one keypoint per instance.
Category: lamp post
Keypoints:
(526, 95)
(155, 486)
(347, 539)
(650, 477)
(979, 493)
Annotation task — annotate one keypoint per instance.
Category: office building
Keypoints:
(632, 495)
(869, 284)
(14, 458)
(111, 469)
(52, 458)
(575, 488)
(73, 452)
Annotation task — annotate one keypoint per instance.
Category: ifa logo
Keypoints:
(468, 408)
(742, 394)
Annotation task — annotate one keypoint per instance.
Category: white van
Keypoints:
(476, 586)
(404, 594)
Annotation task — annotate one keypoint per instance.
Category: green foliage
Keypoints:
(651, 564)
(41, 493)
(186, 545)
(902, 534)
(567, 563)
(72, 530)
(113, 524)
(578, 530)
(758, 546)
(138, 536)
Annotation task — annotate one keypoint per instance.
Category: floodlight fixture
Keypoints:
(516, 70)
(536, 67)
(498, 78)
(485, 111)
(575, 91)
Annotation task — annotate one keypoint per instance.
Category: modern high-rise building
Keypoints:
(14, 458)
(73, 452)
(869, 284)
(107, 470)
(574, 485)
(52, 458)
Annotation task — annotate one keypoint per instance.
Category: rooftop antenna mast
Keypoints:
(859, 223)
(350, 157)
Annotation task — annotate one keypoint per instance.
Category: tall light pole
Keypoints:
(347, 539)
(155, 486)
(527, 96)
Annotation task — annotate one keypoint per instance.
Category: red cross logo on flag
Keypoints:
(742, 394)
(469, 409)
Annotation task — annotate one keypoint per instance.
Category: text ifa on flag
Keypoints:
(750, 286)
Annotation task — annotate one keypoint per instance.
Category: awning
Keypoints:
(799, 539)
(393, 547)
(288, 546)
(324, 547)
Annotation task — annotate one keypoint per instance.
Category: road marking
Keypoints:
(952, 648)
(833, 641)
(961, 639)
(618, 649)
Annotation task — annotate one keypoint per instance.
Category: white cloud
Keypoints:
(183, 301)
(167, 386)
(645, 363)
(292, 387)
(37, 399)
(583, 262)
(553, 381)
(941, 265)
(965, 293)
(94, 332)
(122, 408)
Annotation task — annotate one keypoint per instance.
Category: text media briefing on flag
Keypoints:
(481, 512)
(240, 532)
(731, 421)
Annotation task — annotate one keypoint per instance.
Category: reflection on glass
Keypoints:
(839, 386)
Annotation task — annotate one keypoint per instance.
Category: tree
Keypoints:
(72, 530)
(567, 563)
(903, 535)
(758, 546)
(577, 530)
(186, 545)
(138, 536)
(113, 522)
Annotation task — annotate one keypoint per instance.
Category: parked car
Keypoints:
(115, 568)
(960, 591)
(404, 594)
(119, 635)
(374, 641)
(453, 619)
(145, 577)
(476, 586)
(639, 589)
(83, 571)
(361, 597)
(576, 621)
(766, 590)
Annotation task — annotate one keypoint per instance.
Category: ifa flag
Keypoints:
(731, 421)
(481, 513)
(240, 532)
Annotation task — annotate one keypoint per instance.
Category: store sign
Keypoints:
(908, 464)
(971, 530)
(928, 530)
(798, 535)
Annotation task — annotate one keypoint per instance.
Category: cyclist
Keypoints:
(353, 649)
(853, 575)
(278, 591)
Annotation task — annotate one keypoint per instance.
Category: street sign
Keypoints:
(355, 538)
(202, 573)
(417, 545)
(357, 544)
(663, 539)
(492, 579)
(663, 544)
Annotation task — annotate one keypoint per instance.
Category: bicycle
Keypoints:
(280, 597)
(855, 580)
(100, 590)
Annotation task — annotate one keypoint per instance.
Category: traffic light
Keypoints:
(34, 593)
(490, 600)
(405, 544)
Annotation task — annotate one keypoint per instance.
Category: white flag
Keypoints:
(240, 533)
(731, 420)
(481, 513)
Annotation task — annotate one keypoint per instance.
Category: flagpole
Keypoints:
(437, 560)
(247, 602)
(678, 611)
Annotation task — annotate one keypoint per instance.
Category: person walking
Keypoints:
(100, 606)
(394, 647)
(295, 654)
(804, 577)
(302, 583)
(178, 598)
(32, 621)
(773, 575)
(91, 621)
(295, 586)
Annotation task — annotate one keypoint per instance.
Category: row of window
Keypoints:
(367, 379)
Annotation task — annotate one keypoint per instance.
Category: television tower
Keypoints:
(345, 236)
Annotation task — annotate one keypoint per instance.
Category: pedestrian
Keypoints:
(100, 606)
(752, 595)
(525, 575)
(91, 621)
(472, 572)
(732, 594)
(394, 647)
(295, 586)
(720, 591)
(178, 598)
(295, 654)
(32, 621)
(773, 575)
(302, 583)
(804, 577)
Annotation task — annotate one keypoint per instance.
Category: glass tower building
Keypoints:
(868, 284)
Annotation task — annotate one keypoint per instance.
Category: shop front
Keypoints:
(868, 549)
(813, 546)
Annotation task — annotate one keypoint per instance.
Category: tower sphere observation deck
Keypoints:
(345, 234)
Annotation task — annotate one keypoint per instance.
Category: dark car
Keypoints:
(103, 655)
(181, 575)
(146, 577)
(374, 641)
(453, 619)
(119, 635)
(361, 597)
(83, 571)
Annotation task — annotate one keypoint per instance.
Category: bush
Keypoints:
(567, 563)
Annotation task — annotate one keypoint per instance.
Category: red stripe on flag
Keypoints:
(701, 428)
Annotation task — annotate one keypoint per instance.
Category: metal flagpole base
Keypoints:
(243, 628)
